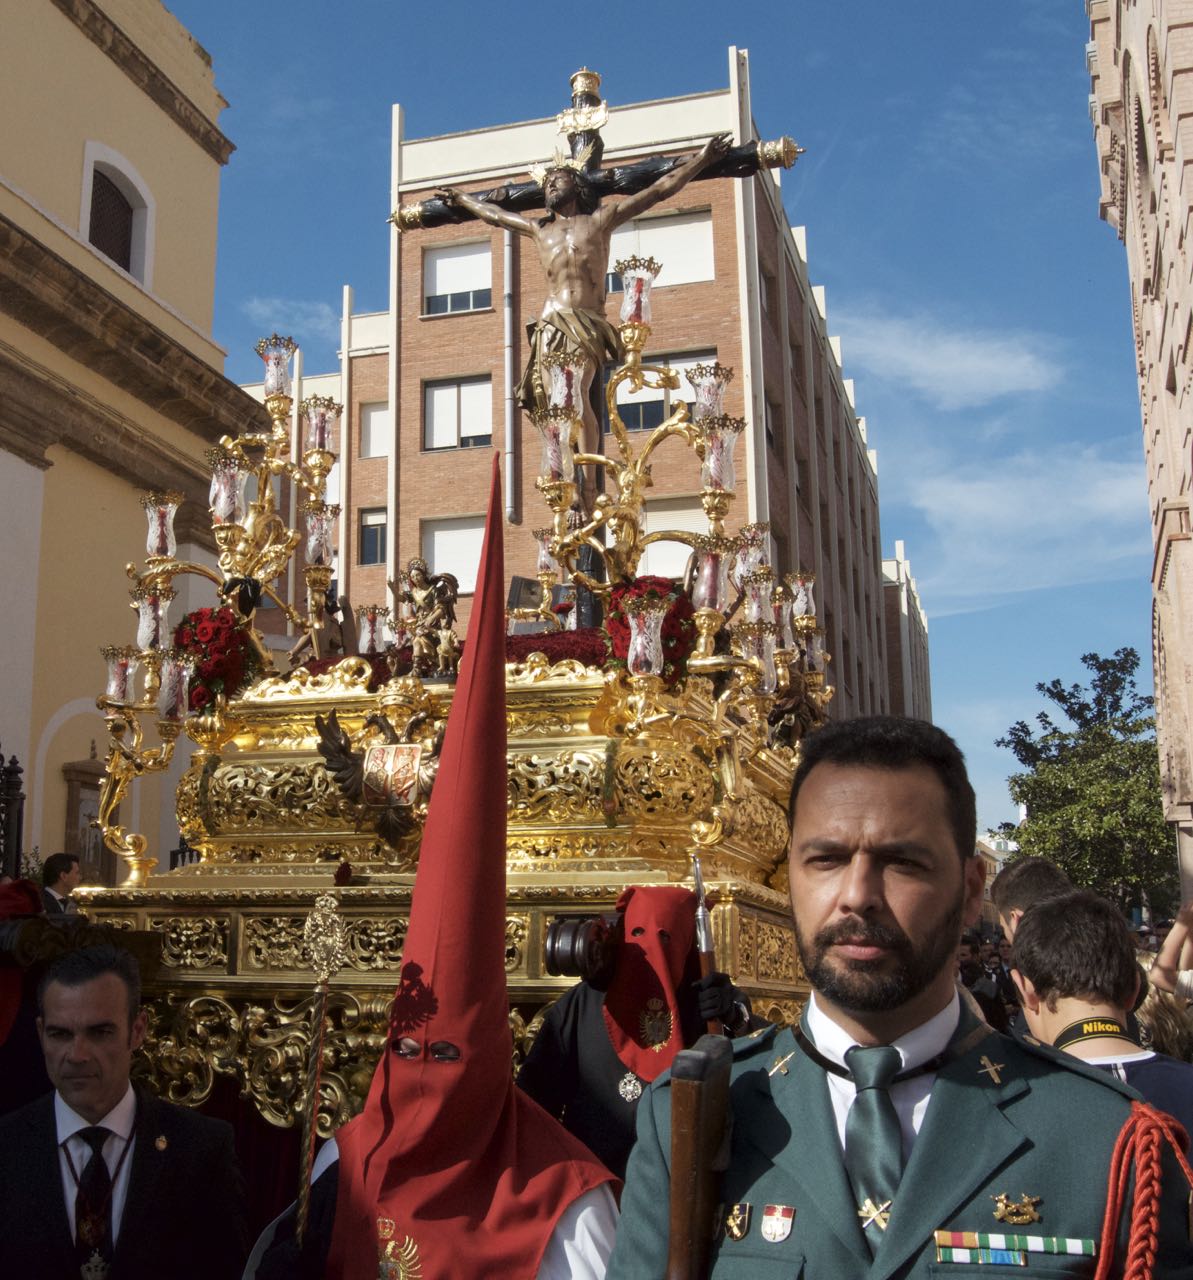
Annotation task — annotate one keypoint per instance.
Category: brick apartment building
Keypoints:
(906, 627)
(418, 431)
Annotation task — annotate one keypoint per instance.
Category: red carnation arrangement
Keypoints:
(225, 659)
(679, 630)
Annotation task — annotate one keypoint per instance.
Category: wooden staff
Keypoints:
(704, 939)
(323, 934)
(699, 1093)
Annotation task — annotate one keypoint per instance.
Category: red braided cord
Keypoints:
(1138, 1144)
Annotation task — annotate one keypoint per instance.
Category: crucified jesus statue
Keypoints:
(573, 245)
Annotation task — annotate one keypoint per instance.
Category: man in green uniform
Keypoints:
(892, 1135)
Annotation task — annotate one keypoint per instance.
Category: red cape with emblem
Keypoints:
(449, 1165)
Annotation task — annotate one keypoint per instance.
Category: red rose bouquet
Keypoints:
(679, 630)
(225, 659)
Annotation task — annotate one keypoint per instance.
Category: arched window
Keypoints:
(118, 211)
(111, 229)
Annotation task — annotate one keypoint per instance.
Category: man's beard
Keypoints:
(862, 986)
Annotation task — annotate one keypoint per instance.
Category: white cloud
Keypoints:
(1043, 517)
(949, 366)
(304, 319)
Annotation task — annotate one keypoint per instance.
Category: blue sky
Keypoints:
(950, 193)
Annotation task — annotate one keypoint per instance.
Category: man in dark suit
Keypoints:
(102, 1180)
(60, 876)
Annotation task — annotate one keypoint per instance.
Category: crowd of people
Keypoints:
(896, 1132)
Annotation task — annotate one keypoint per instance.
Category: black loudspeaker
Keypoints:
(581, 947)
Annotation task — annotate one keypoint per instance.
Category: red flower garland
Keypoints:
(225, 659)
(679, 631)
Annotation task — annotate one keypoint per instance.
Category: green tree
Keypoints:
(1092, 786)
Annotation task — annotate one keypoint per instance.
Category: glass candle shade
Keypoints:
(123, 662)
(559, 457)
(717, 471)
(637, 276)
(645, 616)
(160, 509)
(781, 602)
(371, 620)
(756, 587)
(565, 380)
(802, 605)
(173, 697)
(546, 561)
(708, 383)
(757, 641)
(753, 551)
(321, 521)
(710, 577)
(276, 351)
(153, 616)
(814, 654)
(319, 417)
(229, 480)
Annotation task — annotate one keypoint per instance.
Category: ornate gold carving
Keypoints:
(776, 954)
(556, 787)
(658, 783)
(546, 723)
(275, 944)
(537, 669)
(113, 922)
(295, 796)
(516, 930)
(347, 678)
(747, 947)
(192, 942)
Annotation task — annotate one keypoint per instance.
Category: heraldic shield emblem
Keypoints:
(776, 1222)
(391, 773)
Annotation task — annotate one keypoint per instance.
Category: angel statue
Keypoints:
(434, 645)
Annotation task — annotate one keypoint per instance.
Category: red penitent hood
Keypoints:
(449, 1164)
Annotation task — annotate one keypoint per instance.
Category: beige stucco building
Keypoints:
(428, 384)
(1140, 59)
(906, 626)
(110, 381)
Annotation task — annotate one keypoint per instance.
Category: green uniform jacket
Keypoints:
(1039, 1124)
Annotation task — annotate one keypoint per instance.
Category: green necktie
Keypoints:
(873, 1136)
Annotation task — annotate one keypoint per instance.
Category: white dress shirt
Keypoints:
(911, 1097)
(578, 1249)
(119, 1121)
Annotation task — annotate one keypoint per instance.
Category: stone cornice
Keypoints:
(146, 75)
(40, 408)
(63, 305)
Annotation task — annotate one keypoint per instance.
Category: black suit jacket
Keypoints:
(184, 1215)
(53, 906)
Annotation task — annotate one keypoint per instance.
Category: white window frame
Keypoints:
(481, 439)
(136, 191)
(465, 573)
(626, 241)
(669, 559)
(679, 360)
(448, 310)
(362, 524)
(373, 406)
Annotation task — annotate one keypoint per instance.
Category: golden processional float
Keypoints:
(672, 732)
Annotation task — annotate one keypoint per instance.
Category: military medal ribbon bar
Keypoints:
(1069, 1245)
(1001, 1257)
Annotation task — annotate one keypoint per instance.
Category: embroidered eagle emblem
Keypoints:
(654, 1024)
(397, 1261)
